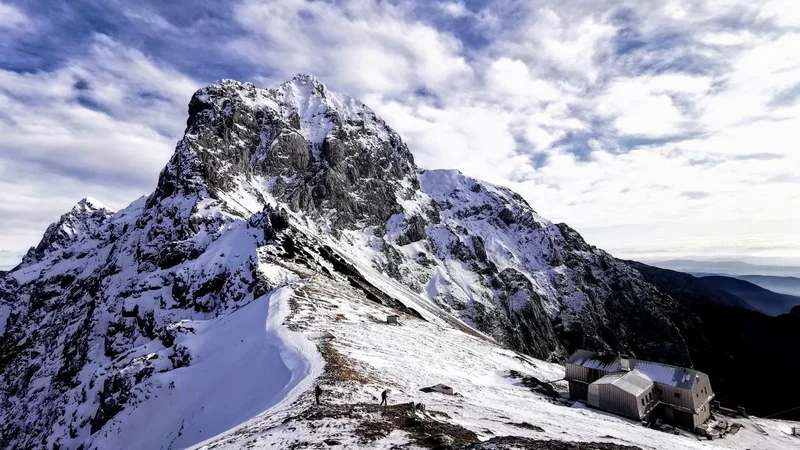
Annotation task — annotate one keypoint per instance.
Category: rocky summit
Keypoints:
(284, 215)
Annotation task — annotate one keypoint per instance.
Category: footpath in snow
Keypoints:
(243, 364)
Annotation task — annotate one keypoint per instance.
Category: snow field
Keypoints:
(418, 353)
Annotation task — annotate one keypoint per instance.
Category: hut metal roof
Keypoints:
(666, 374)
(633, 382)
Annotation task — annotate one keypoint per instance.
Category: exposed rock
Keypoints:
(376, 422)
(528, 426)
(536, 385)
(522, 443)
(84, 219)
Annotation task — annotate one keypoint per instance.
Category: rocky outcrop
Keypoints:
(317, 152)
(523, 443)
(84, 219)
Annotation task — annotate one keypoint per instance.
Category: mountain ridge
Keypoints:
(761, 299)
(732, 268)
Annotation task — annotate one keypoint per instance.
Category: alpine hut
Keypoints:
(676, 395)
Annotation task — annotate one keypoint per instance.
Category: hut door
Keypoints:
(667, 414)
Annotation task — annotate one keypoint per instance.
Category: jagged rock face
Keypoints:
(84, 219)
(318, 152)
(98, 307)
(533, 285)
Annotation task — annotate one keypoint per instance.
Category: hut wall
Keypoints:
(667, 394)
(593, 396)
(576, 377)
(701, 390)
(620, 402)
(573, 372)
(702, 415)
(578, 390)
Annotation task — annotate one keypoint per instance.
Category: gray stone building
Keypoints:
(640, 390)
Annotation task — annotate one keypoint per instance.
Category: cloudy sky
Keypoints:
(658, 129)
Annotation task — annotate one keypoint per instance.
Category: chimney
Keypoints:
(624, 363)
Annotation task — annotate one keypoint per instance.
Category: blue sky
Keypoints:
(656, 128)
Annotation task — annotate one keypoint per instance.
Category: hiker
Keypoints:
(317, 393)
(384, 394)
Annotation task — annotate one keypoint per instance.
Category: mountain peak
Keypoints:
(88, 204)
(81, 221)
(306, 78)
(320, 151)
(304, 86)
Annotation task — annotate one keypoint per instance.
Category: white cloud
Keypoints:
(706, 97)
(561, 42)
(363, 47)
(102, 125)
(648, 105)
(11, 18)
(455, 9)
(511, 78)
(784, 13)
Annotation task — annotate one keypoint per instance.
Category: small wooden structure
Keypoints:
(393, 320)
(795, 431)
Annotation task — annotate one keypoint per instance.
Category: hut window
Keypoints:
(642, 401)
(677, 395)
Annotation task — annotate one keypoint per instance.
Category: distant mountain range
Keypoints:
(770, 289)
(760, 299)
(733, 268)
(781, 285)
(726, 290)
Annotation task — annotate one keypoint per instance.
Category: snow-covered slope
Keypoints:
(285, 215)
(365, 356)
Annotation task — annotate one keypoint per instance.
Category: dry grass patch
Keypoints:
(340, 369)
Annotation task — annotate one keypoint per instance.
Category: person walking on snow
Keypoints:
(317, 393)
(384, 394)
